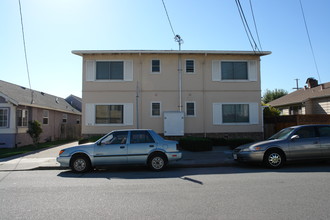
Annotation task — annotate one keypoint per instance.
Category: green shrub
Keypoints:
(232, 143)
(34, 131)
(196, 144)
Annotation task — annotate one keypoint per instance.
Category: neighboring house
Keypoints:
(75, 102)
(20, 105)
(313, 99)
(175, 93)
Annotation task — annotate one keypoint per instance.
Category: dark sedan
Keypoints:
(304, 142)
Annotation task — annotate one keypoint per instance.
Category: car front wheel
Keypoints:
(80, 164)
(157, 162)
(274, 159)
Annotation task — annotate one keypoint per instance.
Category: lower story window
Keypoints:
(45, 117)
(155, 109)
(4, 117)
(190, 108)
(22, 118)
(235, 113)
(109, 114)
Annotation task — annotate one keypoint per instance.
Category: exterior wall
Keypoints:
(321, 106)
(198, 87)
(7, 134)
(51, 131)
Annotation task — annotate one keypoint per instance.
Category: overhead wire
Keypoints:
(309, 39)
(246, 27)
(168, 18)
(255, 25)
(25, 53)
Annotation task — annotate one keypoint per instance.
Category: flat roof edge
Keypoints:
(219, 52)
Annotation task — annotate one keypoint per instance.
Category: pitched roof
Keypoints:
(303, 95)
(19, 95)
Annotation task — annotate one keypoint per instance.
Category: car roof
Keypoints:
(310, 125)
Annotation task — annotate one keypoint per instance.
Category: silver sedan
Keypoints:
(304, 142)
(122, 147)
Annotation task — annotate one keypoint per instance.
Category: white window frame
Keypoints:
(252, 71)
(254, 109)
(45, 115)
(6, 110)
(26, 114)
(160, 66)
(90, 114)
(65, 118)
(193, 102)
(90, 71)
(194, 67)
(160, 109)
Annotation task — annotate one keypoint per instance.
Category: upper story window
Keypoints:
(22, 117)
(4, 117)
(234, 70)
(230, 71)
(109, 70)
(45, 117)
(190, 66)
(155, 66)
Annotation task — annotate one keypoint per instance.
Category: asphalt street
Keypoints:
(233, 192)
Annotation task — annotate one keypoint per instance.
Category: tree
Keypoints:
(270, 111)
(272, 95)
(34, 131)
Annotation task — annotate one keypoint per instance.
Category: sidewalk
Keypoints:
(46, 159)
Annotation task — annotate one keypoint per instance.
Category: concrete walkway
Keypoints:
(46, 159)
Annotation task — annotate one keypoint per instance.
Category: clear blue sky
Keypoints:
(54, 28)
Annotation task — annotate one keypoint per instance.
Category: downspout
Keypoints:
(180, 81)
(137, 105)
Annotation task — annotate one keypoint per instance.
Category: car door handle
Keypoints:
(122, 147)
(151, 145)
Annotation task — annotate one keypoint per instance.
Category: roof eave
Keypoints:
(205, 52)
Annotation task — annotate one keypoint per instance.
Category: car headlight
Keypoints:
(249, 149)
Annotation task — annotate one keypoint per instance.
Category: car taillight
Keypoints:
(61, 152)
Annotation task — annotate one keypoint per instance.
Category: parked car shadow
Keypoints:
(141, 172)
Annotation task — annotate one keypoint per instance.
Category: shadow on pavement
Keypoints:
(141, 172)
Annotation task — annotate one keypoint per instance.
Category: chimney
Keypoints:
(311, 82)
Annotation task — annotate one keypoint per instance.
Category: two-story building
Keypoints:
(175, 93)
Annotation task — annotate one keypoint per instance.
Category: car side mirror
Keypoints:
(294, 137)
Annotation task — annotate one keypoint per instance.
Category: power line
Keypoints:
(177, 37)
(168, 18)
(24, 44)
(309, 39)
(255, 25)
(246, 27)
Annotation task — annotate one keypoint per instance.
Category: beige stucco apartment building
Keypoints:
(175, 93)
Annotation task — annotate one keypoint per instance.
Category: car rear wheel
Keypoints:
(157, 162)
(274, 159)
(80, 164)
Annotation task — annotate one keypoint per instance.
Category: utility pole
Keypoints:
(178, 39)
(297, 86)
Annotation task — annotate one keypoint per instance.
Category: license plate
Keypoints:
(235, 156)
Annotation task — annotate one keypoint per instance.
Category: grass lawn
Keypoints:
(8, 152)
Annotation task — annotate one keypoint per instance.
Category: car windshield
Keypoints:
(283, 134)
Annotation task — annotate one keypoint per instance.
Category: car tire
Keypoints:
(80, 164)
(157, 162)
(274, 159)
